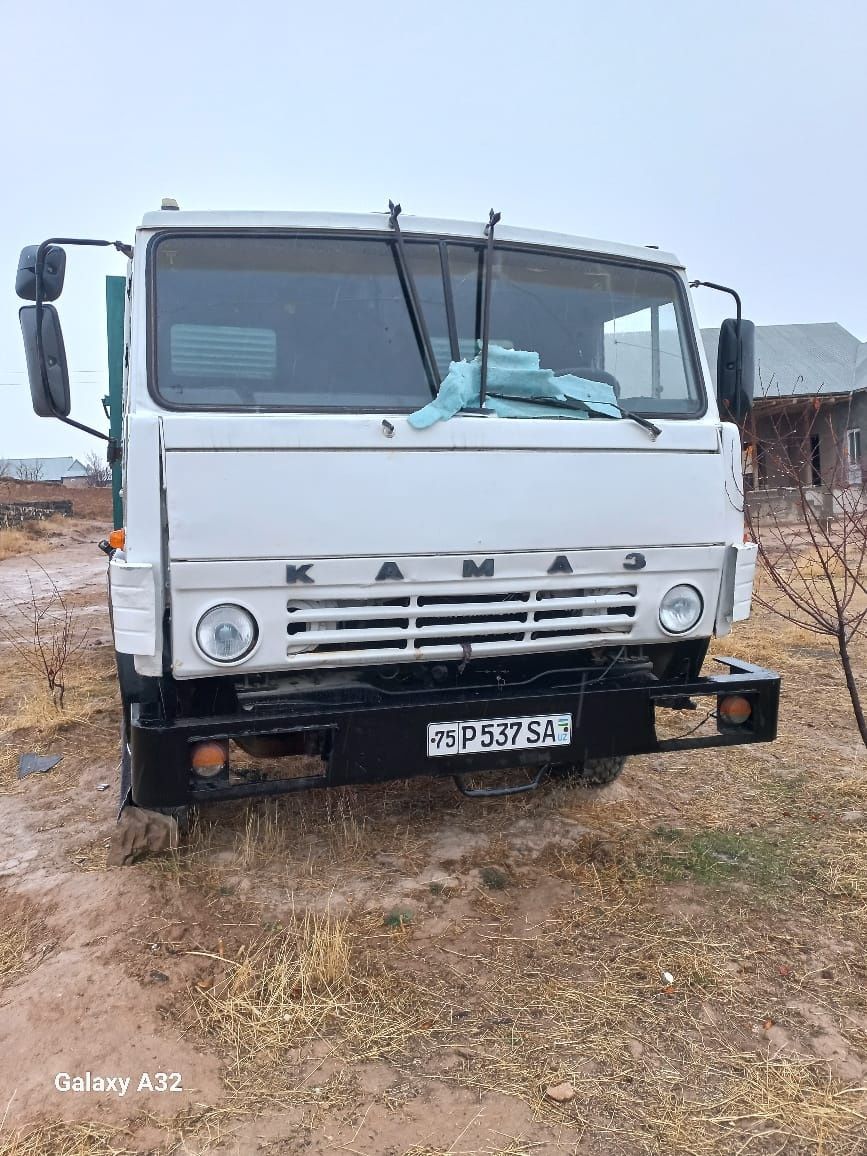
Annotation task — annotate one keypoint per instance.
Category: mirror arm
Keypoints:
(721, 289)
(41, 254)
(97, 433)
(733, 293)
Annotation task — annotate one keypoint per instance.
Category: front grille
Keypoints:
(449, 623)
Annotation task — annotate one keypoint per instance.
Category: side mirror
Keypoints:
(49, 393)
(736, 369)
(53, 272)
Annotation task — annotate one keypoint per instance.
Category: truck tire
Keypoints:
(592, 773)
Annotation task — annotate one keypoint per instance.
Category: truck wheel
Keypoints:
(592, 773)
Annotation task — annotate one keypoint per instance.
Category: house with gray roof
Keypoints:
(810, 408)
(51, 471)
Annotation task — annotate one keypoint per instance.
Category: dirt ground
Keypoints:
(400, 971)
(87, 501)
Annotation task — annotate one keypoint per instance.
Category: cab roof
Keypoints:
(378, 223)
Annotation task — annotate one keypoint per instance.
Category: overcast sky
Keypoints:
(731, 133)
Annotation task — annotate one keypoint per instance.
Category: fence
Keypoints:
(784, 505)
(16, 513)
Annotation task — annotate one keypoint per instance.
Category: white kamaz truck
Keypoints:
(409, 497)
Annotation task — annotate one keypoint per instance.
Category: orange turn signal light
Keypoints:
(734, 709)
(209, 757)
(117, 539)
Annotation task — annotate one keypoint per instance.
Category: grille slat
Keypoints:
(453, 652)
(372, 610)
(441, 622)
(459, 630)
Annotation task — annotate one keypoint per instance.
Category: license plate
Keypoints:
(499, 734)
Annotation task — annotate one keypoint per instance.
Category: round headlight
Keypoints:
(226, 633)
(680, 609)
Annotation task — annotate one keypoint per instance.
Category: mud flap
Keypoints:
(125, 766)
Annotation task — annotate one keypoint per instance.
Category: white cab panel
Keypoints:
(745, 570)
(133, 606)
(519, 486)
(143, 519)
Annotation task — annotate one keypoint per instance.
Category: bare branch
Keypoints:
(815, 562)
(98, 470)
(48, 635)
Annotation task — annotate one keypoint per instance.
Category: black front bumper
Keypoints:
(372, 737)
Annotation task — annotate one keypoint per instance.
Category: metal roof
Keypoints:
(49, 469)
(861, 367)
(802, 360)
(378, 223)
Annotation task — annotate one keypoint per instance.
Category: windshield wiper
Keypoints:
(583, 407)
(412, 300)
(493, 220)
(652, 428)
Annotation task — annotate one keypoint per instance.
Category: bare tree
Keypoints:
(5, 468)
(814, 559)
(30, 471)
(98, 470)
(46, 634)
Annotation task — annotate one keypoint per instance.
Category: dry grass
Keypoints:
(14, 542)
(653, 1065)
(783, 1099)
(24, 940)
(33, 537)
(839, 868)
(320, 841)
(30, 720)
(14, 947)
(355, 823)
(581, 994)
(279, 988)
(297, 983)
(516, 1146)
(57, 1139)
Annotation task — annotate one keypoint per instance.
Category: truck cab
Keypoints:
(410, 497)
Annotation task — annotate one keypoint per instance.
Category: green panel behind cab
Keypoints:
(115, 290)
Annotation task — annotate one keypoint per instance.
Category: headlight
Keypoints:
(226, 633)
(680, 609)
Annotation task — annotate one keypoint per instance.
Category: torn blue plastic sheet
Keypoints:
(516, 373)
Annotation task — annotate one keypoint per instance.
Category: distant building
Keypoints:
(47, 471)
(810, 406)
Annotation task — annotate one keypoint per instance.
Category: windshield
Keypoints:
(325, 322)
